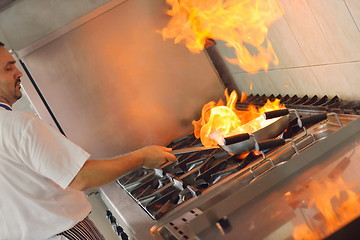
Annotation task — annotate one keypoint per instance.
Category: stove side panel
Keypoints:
(129, 215)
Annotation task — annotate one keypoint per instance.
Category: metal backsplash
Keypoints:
(114, 85)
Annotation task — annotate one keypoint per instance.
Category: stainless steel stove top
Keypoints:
(196, 195)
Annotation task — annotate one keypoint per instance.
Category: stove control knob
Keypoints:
(119, 230)
(108, 213)
(224, 225)
(124, 236)
(112, 220)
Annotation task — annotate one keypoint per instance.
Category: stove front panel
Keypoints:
(204, 192)
(310, 197)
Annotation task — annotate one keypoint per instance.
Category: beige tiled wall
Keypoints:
(318, 45)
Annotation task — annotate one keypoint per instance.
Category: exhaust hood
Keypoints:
(5, 3)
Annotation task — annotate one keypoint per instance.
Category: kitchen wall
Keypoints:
(317, 42)
(25, 22)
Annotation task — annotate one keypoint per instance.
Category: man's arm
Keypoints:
(96, 173)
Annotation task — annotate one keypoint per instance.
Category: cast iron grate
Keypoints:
(315, 103)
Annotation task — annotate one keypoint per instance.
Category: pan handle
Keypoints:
(270, 143)
(276, 113)
(313, 119)
(236, 138)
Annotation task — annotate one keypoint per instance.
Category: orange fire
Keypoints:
(219, 120)
(336, 206)
(242, 24)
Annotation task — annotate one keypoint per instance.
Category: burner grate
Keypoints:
(314, 103)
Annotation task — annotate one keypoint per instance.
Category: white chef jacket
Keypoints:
(36, 165)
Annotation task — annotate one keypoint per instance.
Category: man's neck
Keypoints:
(3, 100)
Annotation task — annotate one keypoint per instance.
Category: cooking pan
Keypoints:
(276, 122)
(243, 142)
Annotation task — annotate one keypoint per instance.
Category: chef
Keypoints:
(43, 174)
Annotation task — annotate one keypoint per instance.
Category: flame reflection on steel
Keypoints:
(335, 203)
(242, 24)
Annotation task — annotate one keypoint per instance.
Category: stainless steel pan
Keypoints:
(245, 142)
(272, 130)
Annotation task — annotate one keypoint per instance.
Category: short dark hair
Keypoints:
(1, 44)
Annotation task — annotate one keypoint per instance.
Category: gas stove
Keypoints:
(200, 196)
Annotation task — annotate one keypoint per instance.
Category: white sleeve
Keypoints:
(50, 154)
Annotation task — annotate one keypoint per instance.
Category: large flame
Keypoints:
(242, 24)
(219, 119)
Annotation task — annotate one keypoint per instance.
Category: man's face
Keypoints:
(9, 78)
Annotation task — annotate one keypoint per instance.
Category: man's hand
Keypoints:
(155, 156)
(96, 173)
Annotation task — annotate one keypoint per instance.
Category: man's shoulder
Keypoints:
(17, 117)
